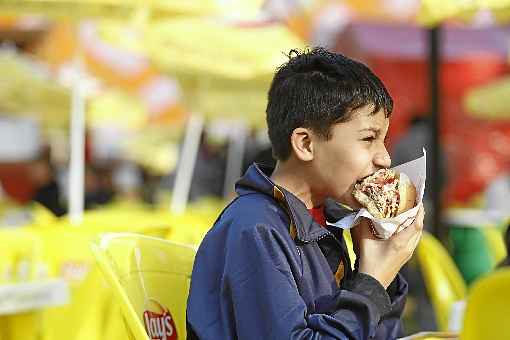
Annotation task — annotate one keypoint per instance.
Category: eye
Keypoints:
(369, 139)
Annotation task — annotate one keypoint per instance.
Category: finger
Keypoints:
(414, 244)
(418, 238)
(415, 217)
(415, 240)
(364, 229)
(355, 237)
(415, 228)
(355, 232)
(418, 222)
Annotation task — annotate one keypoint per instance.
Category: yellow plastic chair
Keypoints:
(191, 227)
(19, 255)
(19, 258)
(150, 279)
(66, 250)
(495, 244)
(432, 336)
(488, 308)
(443, 280)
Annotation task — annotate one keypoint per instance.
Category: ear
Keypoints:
(301, 141)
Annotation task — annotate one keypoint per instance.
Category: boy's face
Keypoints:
(355, 150)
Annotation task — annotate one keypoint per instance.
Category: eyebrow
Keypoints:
(372, 129)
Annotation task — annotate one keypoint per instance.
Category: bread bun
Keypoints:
(407, 192)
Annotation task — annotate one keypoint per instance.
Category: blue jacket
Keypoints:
(267, 270)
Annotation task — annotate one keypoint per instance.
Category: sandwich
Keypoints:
(386, 193)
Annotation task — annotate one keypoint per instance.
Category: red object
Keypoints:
(160, 325)
(16, 181)
(318, 215)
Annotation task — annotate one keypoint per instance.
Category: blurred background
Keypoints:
(139, 116)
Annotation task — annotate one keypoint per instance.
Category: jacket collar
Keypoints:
(256, 179)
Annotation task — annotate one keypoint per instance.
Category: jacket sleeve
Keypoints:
(390, 326)
(266, 303)
(391, 323)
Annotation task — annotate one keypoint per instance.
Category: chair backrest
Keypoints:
(19, 261)
(19, 254)
(495, 244)
(66, 253)
(150, 278)
(443, 280)
(66, 249)
(488, 308)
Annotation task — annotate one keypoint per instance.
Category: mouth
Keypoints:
(363, 178)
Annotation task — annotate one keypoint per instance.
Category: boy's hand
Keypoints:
(382, 259)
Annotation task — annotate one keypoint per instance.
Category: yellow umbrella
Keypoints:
(241, 100)
(121, 9)
(224, 69)
(194, 46)
(28, 88)
(489, 101)
(135, 95)
(117, 108)
(433, 12)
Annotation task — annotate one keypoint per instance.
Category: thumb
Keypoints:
(355, 237)
(360, 232)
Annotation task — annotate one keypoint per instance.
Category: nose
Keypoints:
(382, 158)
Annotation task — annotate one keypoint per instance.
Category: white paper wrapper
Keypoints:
(385, 227)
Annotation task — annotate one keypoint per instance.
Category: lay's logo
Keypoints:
(159, 323)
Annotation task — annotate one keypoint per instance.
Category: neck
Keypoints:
(298, 180)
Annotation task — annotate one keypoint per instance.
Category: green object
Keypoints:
(470, 252)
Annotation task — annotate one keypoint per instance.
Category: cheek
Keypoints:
(347, 166)
(356, 161)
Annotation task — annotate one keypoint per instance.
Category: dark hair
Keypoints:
(316, 89)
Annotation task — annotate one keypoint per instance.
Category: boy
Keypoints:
(270, 268)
